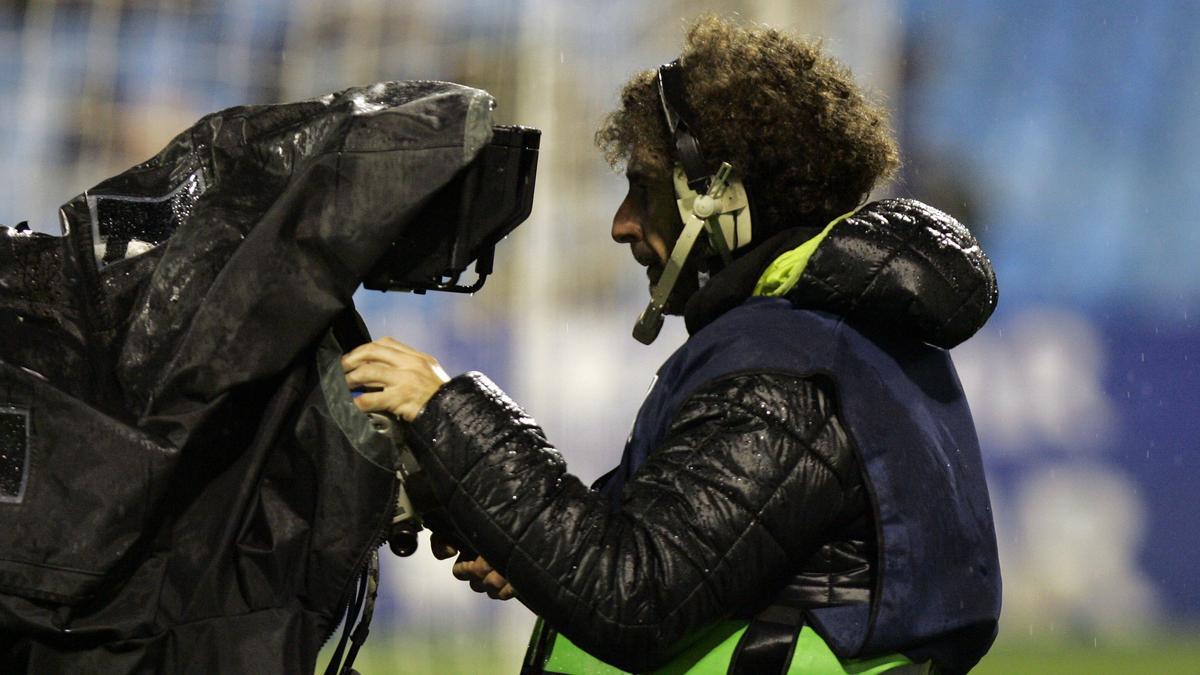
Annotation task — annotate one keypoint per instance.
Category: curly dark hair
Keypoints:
(790, 119)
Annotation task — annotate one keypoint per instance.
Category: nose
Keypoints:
(626, 224)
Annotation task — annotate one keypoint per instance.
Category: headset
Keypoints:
(713, 202)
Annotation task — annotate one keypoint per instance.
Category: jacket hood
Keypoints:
(895, 266)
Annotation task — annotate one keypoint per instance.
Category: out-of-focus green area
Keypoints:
(448, 656)
(1162, 653)
(1165, 653)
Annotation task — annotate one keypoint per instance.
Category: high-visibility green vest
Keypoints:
(712, 654)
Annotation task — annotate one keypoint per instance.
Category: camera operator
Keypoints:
(802, 491)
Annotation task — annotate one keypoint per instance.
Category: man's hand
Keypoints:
(483, 578)
(477, 571)
(406, 378)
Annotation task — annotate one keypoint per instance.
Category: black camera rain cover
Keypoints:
(175, 493)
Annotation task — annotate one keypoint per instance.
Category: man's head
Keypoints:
(798, 131)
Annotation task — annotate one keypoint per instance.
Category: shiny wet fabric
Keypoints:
(190, 503)
(896, 266)
(756, 474)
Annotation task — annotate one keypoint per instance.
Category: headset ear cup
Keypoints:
(759, 228)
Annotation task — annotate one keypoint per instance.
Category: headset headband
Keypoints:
(679, 117)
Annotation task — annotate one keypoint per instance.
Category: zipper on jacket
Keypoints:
(362, 565)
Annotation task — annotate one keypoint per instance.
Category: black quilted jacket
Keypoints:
(755, 493)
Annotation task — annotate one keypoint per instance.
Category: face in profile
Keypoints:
(648, 220)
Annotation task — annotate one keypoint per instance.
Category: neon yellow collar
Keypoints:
(784, 272)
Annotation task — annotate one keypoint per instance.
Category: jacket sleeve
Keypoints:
(755, 468)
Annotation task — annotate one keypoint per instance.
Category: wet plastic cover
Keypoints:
(175, 493)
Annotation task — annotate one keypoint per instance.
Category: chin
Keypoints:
(679, 295)
(653, 274)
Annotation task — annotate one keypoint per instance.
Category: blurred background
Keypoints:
(1065, 134)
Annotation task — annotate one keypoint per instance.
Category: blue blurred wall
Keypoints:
(1072, 136)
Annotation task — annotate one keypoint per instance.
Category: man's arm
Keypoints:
(754, 471)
